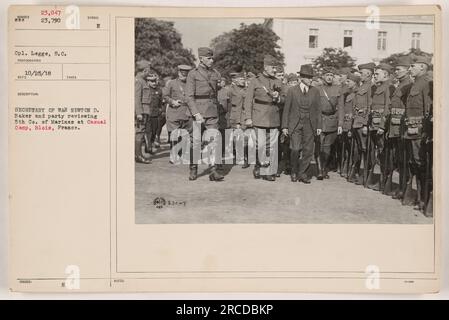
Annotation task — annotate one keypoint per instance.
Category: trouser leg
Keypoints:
(307, 145)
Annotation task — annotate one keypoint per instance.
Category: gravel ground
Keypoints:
(242, 199)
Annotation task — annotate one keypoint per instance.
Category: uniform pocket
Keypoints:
(146, 95)
(375, 120)
(395, 121)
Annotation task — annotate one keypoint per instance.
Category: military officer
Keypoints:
(223, 112)
(329, 95)
(177, 112)
(237, 92)
(201, 95)
(362, 105)
(262, 111)
(154, 92)
(284, 165)
(394, 146)
(345, 115)
(302, 121)
(292, 80)
(417, 108)
(140, 107)
(378, 112)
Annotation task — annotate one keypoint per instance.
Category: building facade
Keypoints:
(302, 40)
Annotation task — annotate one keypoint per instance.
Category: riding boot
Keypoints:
(388, 189)
(193, 172)
(408, 199)
(428, 211)
(319, 167)
(214, 175)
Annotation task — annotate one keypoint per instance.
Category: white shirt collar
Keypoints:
(303, 86)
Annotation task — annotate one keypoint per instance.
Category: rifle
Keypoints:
(351, 152)
(385, 185)
(367, 153)
(342, 154)
(428, 174)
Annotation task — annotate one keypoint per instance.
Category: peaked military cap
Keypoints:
(269, 60)
(235, 75)
(184, 67)
(292, 77)
(405, 61)
(142, 64)
(354, 77)
(205, 52)
(345, 70)
(329, 70)
(422, 59)
(370, 66)
(384, 66)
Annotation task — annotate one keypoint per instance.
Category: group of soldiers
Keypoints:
(349, 120)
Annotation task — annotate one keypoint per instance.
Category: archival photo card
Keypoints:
(170, 149)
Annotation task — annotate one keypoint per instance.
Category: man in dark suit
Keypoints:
(302, 120)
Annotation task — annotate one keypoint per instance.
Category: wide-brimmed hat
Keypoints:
(306, 70)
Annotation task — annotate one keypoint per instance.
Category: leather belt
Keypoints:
(203, 97)
(262, 102)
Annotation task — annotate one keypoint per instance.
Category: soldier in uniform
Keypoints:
(417, 109)
(177, 111)
(338, 151)
(283, 141)
(345, 110)
(378, 113)
(201, 94)
(140, 107)
(292, 80)
(329, 94)
(223, 112)
(262, 111)
(302, 121)
(237, 92)
(394, 146)
(362, 105)
(154, 109)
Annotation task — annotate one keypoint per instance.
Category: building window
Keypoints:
(347, 39)
(313, 38)
(382, 40)
(416, 40)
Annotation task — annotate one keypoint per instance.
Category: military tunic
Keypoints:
(380, 106)
(223, 98)
(362, 104)
(418, 106)
(259, 105)
(201, 91)
(201, 95)
(345, 110)
(397, 108)
(141, 108)
(237, 99)
(175, 90)
(329, 99)
(265, 115)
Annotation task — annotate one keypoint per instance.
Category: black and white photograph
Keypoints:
(284, 120)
